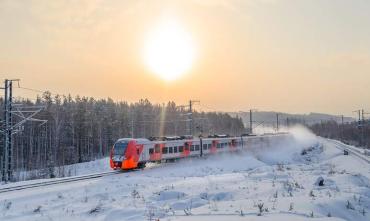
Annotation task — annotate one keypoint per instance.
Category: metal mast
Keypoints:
(23, 114)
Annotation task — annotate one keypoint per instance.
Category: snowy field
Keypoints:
(275, 183)
(96, 166)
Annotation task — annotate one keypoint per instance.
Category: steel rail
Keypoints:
(352, 150)
(58, 181)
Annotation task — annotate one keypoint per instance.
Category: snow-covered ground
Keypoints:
(74, 170)
(278, 179)
(95, 166)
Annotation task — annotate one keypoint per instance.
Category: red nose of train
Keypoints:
(125, 155)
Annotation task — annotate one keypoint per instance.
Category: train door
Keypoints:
(186, 150)
(145, 153)
(233, 145)
(155, 152)
(214, 146)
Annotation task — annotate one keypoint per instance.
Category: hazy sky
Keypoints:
(282, 55)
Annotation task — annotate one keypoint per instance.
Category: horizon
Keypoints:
(204, 109)
(296, 57)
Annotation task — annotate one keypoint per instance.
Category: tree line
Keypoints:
(80, 129)
(353, 133)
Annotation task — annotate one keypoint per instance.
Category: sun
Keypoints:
(169, 50)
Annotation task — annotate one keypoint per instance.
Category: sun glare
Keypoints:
(169, 50)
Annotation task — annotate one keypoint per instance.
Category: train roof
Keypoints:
(219, 136)
(171, 138)
(188, 137)
(139, 140)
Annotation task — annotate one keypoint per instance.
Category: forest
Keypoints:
(79, 129)
(354, 133)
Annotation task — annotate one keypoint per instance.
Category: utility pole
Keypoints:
(277, 122)
(190, 116)
(251, 120)
(287, 122)
(7, 131)
(359, 116)
(342, 128)
(4, 150)
(359, 125)
(362, 128)
(10, 127)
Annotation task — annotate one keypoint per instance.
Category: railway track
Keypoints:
(58, 181)
(351, 150)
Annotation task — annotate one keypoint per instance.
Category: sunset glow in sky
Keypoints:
(283, 55)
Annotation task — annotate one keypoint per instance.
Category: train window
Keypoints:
(165, 150)
(209, 146)
(151, 151)
(196, 147)
(181, 149)
(157, 148)
(204, 146)
(170, 150)
(192, 148)
(218, 145)
(175, 149)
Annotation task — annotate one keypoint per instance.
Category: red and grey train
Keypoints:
(131, 153)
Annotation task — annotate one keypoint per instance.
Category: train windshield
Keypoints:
(120, 148)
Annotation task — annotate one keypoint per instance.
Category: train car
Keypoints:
(131, 153)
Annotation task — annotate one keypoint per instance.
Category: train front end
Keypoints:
(118, 153)
(125, 154)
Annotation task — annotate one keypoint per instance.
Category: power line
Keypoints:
(40, 91)
(24, 113)
(209, 108)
